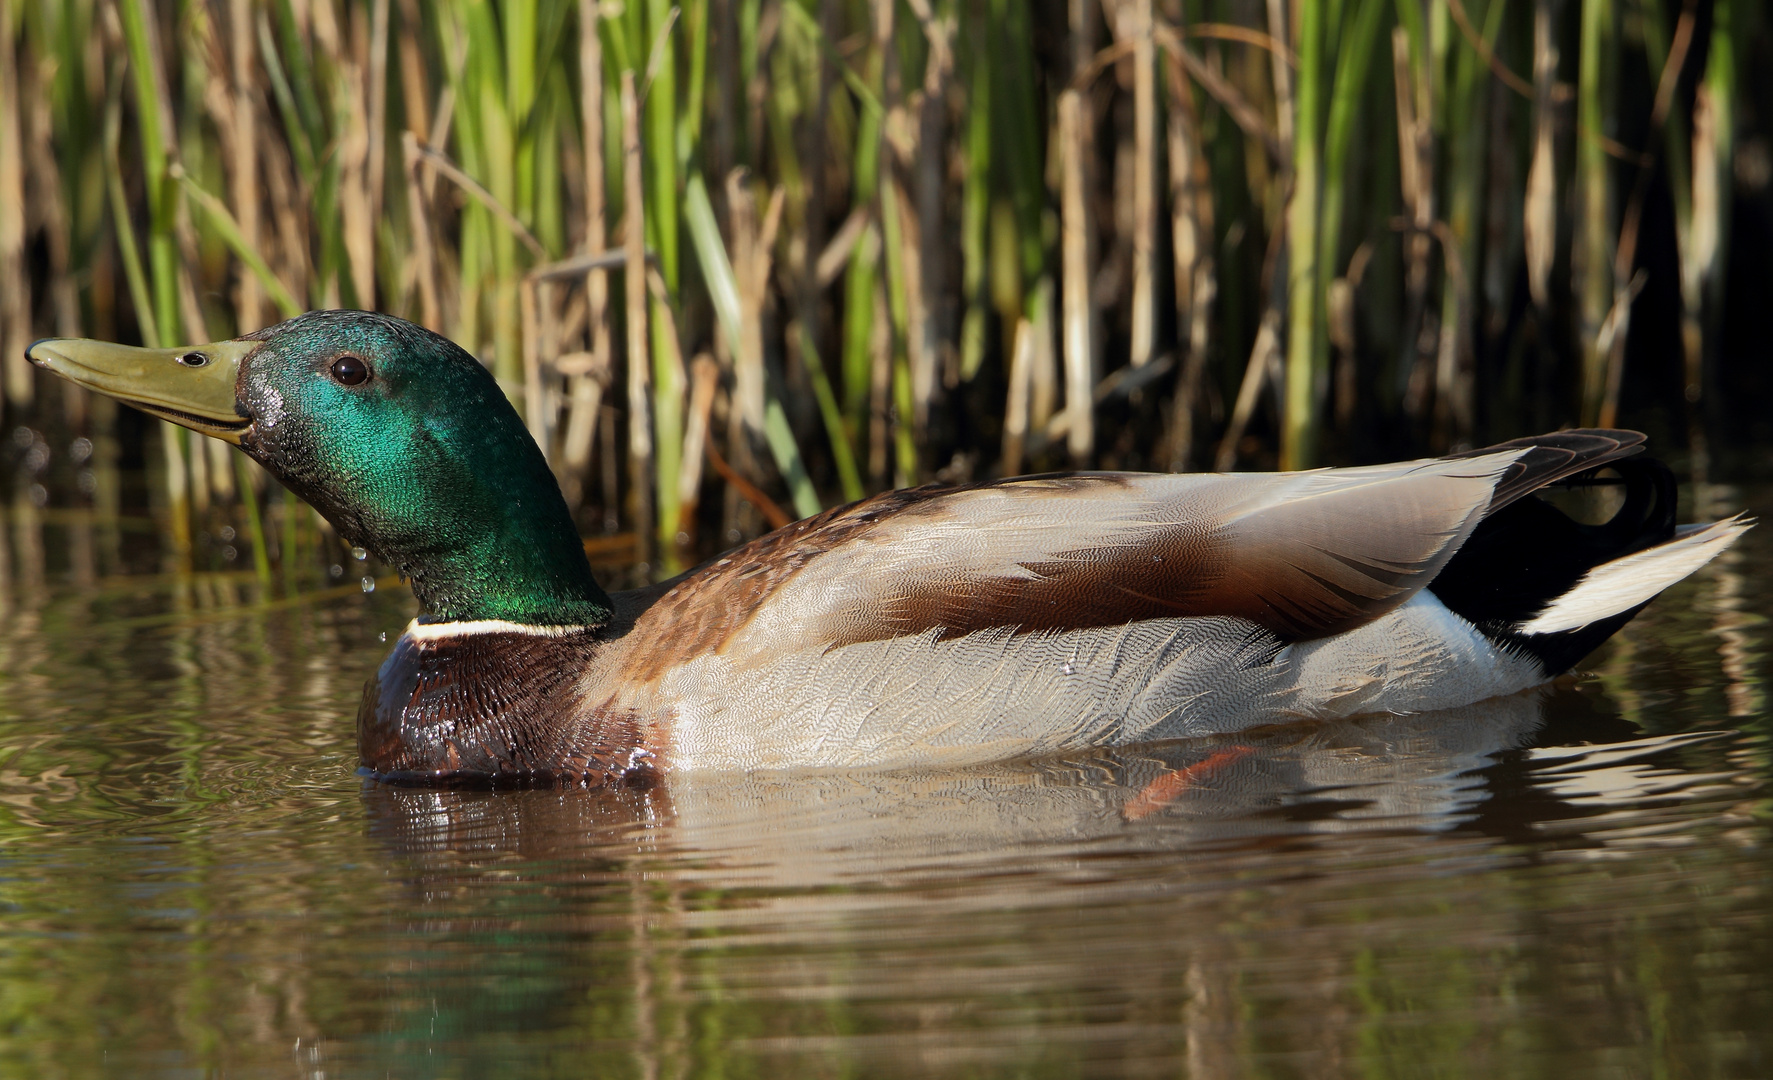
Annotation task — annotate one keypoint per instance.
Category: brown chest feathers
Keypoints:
(494, 708)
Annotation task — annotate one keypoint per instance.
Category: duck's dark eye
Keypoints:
(193, 359)
(350, 370)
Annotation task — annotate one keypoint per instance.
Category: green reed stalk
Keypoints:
(151, 115)
(1307, 341)
(301, 84)
(1592, 257)
(975, 212)
(861, 276)
(669, 386)
(1353, 69)
(255, 525)
(152, 120)
(128, 253)
(842, 455)
(1466, 127)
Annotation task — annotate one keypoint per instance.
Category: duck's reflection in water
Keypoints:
(1431, 772)
(1183, 904)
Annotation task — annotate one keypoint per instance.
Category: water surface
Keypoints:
(194, 882)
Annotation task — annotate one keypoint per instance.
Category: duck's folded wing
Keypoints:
(1302, 554)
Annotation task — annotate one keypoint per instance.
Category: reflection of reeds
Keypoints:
(851, 243)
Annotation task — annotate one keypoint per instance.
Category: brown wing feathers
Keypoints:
(1304, 555)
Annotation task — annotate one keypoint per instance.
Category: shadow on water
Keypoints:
(195, 882)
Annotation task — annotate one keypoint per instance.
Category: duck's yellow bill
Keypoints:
(192, 386)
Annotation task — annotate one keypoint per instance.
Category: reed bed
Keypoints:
(735, 261)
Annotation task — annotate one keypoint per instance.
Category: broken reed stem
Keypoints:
(419, 218)
(441, 162)
(704, 380)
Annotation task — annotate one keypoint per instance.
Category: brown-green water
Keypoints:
(194, 882)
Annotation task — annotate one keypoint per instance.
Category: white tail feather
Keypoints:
(1625, 583)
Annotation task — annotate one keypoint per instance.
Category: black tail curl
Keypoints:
(1528, 553)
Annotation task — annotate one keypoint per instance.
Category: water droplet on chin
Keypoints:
(383, 636)
(368, 583)
(358, 553)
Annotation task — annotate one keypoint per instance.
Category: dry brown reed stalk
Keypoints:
(1078, 240)
(15, 281)
(1264, 366)
(1703, 245)
(640, 431)
(1015, 424)
(704, 381)
(1192, 240)
(931, 314)
(1137, 22)
(585, 390)
(248, 315)
(1539, 223)
(530, 303)
(377, 75)
(1416, 176)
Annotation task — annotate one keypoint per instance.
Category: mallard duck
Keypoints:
(935, 625)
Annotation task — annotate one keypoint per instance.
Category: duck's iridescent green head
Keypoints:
(401, 439)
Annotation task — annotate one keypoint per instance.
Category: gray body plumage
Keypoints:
(995, 694)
